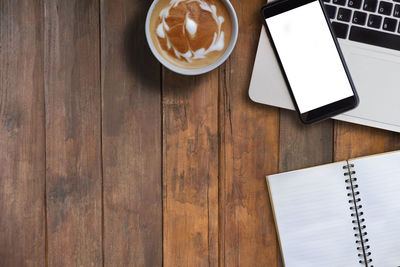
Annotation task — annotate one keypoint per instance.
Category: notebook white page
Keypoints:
(313, 217)
(378, 178)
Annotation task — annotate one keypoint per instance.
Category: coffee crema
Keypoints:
(191, 33)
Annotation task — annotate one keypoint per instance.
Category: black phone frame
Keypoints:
(326, 111)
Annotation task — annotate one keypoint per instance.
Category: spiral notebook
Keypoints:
(341, 214)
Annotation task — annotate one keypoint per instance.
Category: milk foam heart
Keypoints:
(191, 26)
(191, 33)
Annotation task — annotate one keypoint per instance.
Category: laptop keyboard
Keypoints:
(371, 22)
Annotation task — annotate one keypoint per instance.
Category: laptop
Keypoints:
(368, 32)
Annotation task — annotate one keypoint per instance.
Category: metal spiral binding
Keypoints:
(358, 222)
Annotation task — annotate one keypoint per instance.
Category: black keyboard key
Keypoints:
(331, 11)
(370, 5)
(372, 37)
(389, 24)
(344, 14)
(359, 17)
(354, 3)
(385, 8)
(398, 29)
(374, 21)
(398, 1)
(327, 1)
(396, 11)
(339, 2)
(340, 29)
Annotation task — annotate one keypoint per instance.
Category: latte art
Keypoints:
(191, 33)
(189, 29)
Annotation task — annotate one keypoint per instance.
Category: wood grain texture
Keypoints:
(184, 159)
(22, 136)
(73, 146)
(351, 140)
(190, 169)
(249, 138)
(131, 138)
(303, 146)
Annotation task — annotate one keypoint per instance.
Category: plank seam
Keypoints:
(46, 241)
(218, 164)
(101, 132)
(162, 162)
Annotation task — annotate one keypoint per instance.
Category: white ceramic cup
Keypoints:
(217, 63)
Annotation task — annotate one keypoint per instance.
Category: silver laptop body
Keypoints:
(372, 53)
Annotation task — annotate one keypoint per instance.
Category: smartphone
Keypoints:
(310, 59)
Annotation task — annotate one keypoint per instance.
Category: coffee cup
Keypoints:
(202, 39)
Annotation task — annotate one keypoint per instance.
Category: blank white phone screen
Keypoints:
(309, 57)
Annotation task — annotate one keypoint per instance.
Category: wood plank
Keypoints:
(249, 136)
(22, 134)
(353, 140)
(190, 169)
(303, 146)
(73, 141)
(131, 138)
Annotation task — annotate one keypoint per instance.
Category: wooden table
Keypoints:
(108, 158)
